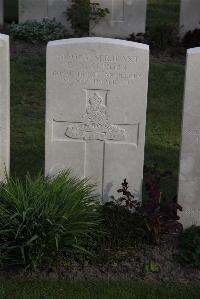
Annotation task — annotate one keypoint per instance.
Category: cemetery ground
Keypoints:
(162, 147)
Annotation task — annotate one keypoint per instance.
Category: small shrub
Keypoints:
(131, 220)
(160, 214)
(189, 247)
(123, 227)
(34, 31)
(191, 39)
(162, 36)
(43, 217)
(81, 12)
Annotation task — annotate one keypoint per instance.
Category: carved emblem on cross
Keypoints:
(96, 125)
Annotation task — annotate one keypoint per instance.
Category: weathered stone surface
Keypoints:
(57, 9)
(125, 17)
(189, 177)
(4, 106)
(96, 110)
(40, 9)
(32, 10)
(1, 13)
(189, 16)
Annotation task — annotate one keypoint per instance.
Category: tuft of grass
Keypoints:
(43, 217)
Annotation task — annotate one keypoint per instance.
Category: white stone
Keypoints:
(189, 16)
(32, 10)
(125, 17)
(1, 13)
(57, 9)
(40, 9)
(96, 111)
(189, 176)
(4, 106)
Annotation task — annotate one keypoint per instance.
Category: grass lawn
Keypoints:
(28, 113)
(96, 290)
(163, 11)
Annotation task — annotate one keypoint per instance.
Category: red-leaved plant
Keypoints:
(160, 215)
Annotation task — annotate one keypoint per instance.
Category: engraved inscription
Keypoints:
(95, 69)
(96, 123)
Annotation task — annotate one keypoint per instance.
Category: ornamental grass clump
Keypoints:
(43, 217)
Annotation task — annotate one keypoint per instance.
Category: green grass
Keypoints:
(159, 11)
(96, 290)
(28, 113)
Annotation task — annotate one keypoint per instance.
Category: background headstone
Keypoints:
(4, 106)
(1, 13)
(96, 110)
(57, 9)
(189, 16)
(189, 177)
(32, 10)
(125, 17)
(40, 9)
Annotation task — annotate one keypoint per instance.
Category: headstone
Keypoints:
(32, 10)
(1, 13)
(189, 16)
(189, 176)
(125, 17)
(40, 9)
(57, 9)
(4, 106)
(96, 110)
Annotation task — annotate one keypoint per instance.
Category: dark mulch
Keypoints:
(20, 48)
(127, 264)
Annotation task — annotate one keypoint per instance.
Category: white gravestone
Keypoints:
(189, 16)
(189, 176)
(1, 12)
(40, 9)
(57, 9)
(96, 110)
(125, 17)
(32, 10)
(4, 106)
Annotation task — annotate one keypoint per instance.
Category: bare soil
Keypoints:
(127, 264)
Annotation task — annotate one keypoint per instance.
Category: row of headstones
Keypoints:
(125, 18)
(96, 115)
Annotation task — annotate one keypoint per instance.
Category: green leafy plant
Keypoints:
(81, 12)
(151, 218)
(151, 267)
(43, 217)
(189, 247)
(160, 214)
(34, 31)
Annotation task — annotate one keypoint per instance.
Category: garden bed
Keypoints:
(120, 265)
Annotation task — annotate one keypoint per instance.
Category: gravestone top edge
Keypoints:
(4, 37)
(193, 51)
(100, 40)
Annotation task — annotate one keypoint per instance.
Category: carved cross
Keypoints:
(97, 132)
